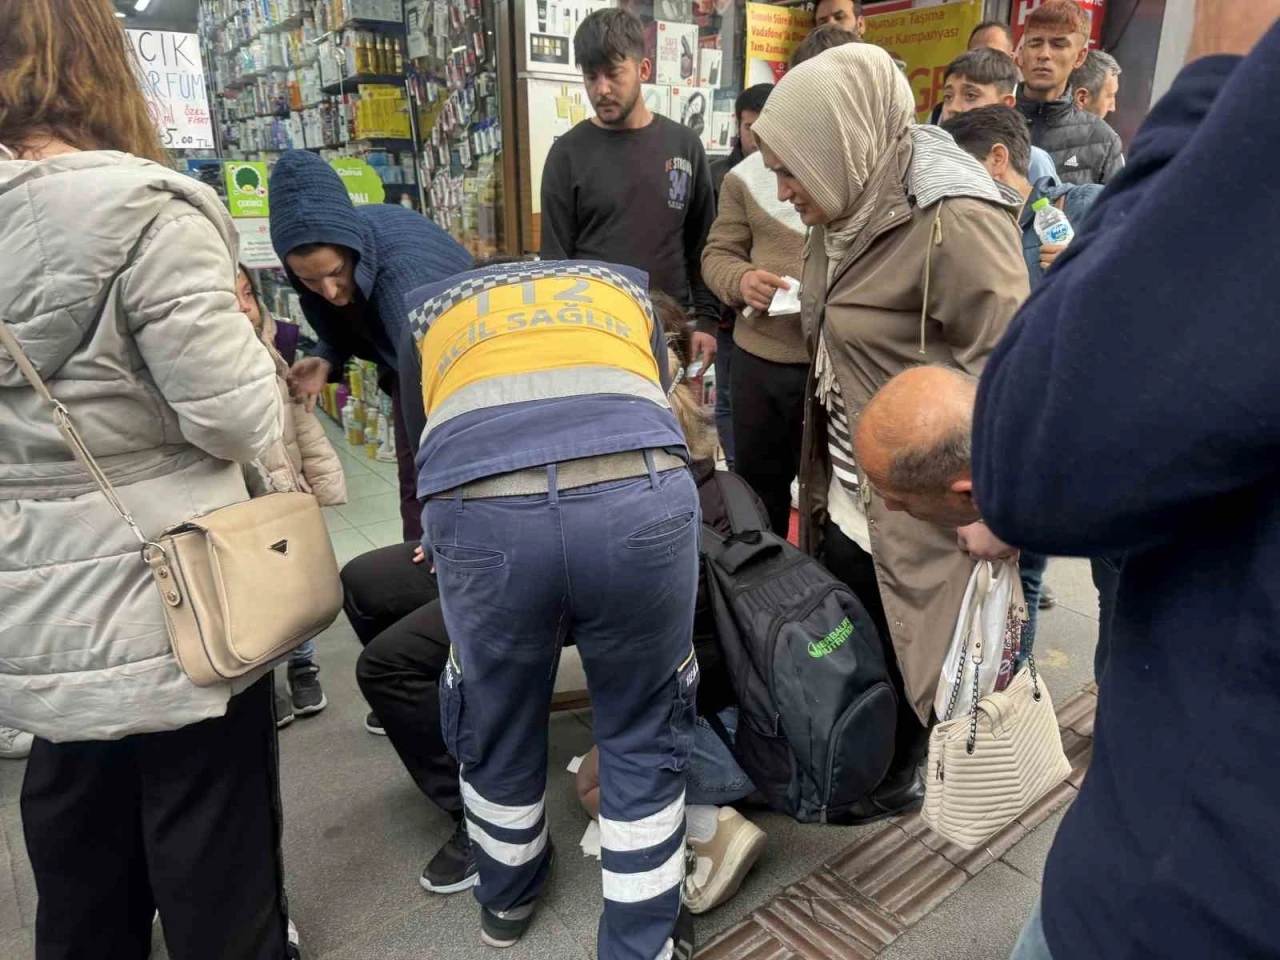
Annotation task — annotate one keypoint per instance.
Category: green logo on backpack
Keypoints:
(832, 641)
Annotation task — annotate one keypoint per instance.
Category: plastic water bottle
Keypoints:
(1052, 225)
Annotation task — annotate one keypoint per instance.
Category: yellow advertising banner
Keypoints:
(772, 34)
(926, 39)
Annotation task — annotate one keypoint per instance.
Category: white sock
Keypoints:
(701, 819)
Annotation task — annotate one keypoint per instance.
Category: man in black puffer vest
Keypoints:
(1084, 148)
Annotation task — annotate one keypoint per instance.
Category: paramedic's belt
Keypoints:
(569, 474)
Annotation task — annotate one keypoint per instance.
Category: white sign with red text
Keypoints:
(172, 78)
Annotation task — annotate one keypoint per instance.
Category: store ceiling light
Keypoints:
(141, 5)
(120, 15)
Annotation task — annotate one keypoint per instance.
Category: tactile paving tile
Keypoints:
(865, 897)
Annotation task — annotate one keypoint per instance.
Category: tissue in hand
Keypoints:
(786, 300)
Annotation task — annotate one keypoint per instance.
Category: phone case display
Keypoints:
(454, 87)
(549, 29)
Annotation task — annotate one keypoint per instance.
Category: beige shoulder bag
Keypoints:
(989, 766)
(242, 585)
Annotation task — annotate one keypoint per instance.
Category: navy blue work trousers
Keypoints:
(615, 566)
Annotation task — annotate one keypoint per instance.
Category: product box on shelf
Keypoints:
(390, 11)
(381, 112)
(677, 11)
(657, 98)
(709, 62)
(676, 53)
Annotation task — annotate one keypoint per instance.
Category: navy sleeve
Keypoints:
(1140, 378)
(697, 224)
(412, 408)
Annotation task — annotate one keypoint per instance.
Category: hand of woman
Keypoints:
(757, 288)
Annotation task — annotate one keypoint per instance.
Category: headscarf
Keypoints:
(834, 121)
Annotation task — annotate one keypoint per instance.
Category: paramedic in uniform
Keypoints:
(559, 505)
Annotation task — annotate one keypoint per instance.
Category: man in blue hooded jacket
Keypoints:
(1132, 410)
(352, 267)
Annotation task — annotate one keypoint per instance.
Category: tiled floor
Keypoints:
(371, 516)
(357, 832)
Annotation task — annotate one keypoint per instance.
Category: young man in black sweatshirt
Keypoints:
(627, 186)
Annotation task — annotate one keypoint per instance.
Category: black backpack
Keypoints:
(817, 715)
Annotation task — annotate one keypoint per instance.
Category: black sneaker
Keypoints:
(373, 724)
(503, 929)
(453, 868)
(682, 936)
(293, 945)
(284, 710)
(304, 687)
(1048, 599)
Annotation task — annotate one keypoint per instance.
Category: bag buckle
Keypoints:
(154, 556)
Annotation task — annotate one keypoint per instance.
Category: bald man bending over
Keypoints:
(913, 443)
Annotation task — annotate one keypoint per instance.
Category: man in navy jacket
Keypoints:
(352, 267)
(1134, 410)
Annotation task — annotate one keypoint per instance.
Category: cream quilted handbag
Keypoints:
(241, 586)
(987, 767)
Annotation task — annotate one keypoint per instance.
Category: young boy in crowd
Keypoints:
(998, 138)
(982, 78)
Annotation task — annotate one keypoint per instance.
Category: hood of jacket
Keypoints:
(939, 170)
(103, 199)
(309, 204)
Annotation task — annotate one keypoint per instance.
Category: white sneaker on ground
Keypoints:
(719, 865)
(14, 744)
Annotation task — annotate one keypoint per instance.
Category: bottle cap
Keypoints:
(1040, 204)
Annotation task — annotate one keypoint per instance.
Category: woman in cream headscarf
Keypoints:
(913, 257)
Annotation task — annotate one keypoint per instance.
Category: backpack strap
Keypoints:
(739, 503)
(718, 728)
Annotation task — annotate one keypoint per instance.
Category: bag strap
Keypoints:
(70, 436)
(1015, 597)
(981, 588)
(739, 503)
(718, 728)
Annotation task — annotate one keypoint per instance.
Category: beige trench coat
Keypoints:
(948, 278)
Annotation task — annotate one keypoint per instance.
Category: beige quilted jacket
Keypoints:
(304, 459)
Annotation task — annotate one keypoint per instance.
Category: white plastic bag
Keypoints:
(979, 635)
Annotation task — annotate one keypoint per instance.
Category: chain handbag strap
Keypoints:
(973, 708)
(976, 600)
(72, 438)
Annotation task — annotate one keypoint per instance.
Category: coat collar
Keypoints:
(1034, 110)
